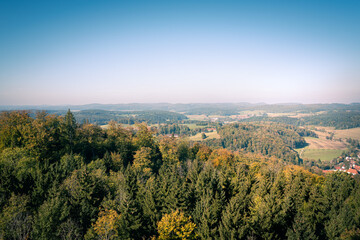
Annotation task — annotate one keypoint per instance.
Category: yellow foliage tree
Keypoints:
(221, 157)
(176, 226)
(142, 160)
(105, 225)
(168, 149)
(203, 153)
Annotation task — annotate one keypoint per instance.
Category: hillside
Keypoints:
(277, 140)
(60, 178)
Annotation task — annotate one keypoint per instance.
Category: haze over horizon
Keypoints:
(81, 52)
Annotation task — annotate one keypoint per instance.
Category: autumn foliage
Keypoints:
(64, 180)
(176, 226)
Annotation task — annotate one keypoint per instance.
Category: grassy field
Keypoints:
(353, 133)
(323, 143)
(280, 114)
(198, 117)
(322, 154)
(293, 114)
(121, 124)
(126, 125)
(210, 135)
(252, 112)
(322, 148)
(194, 126)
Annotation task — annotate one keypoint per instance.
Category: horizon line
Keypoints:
(129, 103)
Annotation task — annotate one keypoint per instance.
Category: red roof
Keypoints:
(352, 171)
(337, 168)
(357, 167)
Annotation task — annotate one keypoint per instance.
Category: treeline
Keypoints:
(63, 180)
(102, 117)
(178, 129)
(306, 108)
(277, 140)
(213, 111)
(227, 109)
(200, 108)
(282, 119)
(182, 129)
(337, 119)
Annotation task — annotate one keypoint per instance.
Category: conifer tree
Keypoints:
(69, 131)
(207, 215)
(235, 222)
(150, 204)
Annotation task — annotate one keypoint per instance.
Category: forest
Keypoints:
(63, 179)
(102, 117)
(277, 140)
(336, 119)
(339, 116)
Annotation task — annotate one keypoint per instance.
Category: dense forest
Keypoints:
(184, 130)
(337, 119)
(277, 140)
(102, 117)
(340, 116)
(64, 180)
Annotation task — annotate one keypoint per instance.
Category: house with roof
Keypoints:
(352, 171)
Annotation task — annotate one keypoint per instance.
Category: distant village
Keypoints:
(346, 164)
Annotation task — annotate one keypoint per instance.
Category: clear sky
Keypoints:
(77, 52)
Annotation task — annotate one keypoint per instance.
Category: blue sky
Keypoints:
(78, 52)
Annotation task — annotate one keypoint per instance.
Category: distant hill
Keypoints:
(102, 117)
(193, 108)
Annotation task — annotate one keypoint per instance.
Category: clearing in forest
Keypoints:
(209, 135)
(322, 148)
(323, 143)
(353, 133)
(322, 154)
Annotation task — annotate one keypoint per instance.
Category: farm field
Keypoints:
(353, 133)
(106, 126)
(321, 148)
(322, 154)
(197, 117)
(301, 115)
(294, 114)
(280, 114)
(204, 117)
(193, 126)
(210, 135)
(252, 112)
(322, 132)
(323, 143)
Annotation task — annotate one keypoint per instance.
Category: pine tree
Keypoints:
(150, 204)
(235, 222)
(69, 131)
(207, 215)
